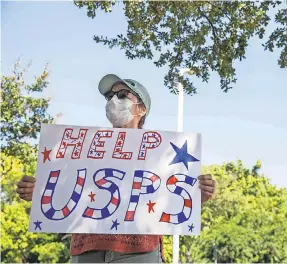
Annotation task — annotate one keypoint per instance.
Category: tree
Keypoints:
(20, 246)
(203, 36)
(246, 221)
(22, 113)
(21, 116)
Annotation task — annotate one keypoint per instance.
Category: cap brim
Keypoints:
(107, 82)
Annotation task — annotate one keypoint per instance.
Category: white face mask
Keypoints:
(119, 111)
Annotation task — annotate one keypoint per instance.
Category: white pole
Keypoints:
(175, 255)
(180, 108)
(175, 250)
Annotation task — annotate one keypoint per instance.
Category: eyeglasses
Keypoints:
(121, 94)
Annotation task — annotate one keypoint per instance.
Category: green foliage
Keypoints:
(22, 113)
(246, 221)
(279, 37)
(19, 245)
(167, 246)
(21, 117)
(203, 36)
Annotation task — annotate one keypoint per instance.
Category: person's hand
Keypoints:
(207, 185)
(26, 187)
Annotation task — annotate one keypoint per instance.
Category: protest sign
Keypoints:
(116, 181)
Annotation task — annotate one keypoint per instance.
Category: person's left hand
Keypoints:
(207, 185)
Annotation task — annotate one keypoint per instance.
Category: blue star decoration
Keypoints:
(182, 155)
(115, 224)
(190, 227)
(37, 225)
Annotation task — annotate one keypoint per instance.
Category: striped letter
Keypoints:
(141, 185)
(110, 186)
(93, 152)
(150, 140)
(118, 154)
(46, 202)
(171, 185)
(76, 142)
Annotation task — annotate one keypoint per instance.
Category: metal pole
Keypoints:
(214, 253)
(175, 256)
(180, 108)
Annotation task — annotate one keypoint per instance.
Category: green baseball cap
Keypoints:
(108, 81)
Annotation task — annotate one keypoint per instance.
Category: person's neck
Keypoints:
(132, 124)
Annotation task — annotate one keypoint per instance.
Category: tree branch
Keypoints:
(214, 32)
(226, 14)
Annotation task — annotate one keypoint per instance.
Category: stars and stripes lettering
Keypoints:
(118, 150)
(103, 179)
(94, 152)
(144, 182)
(150, 140)
(69, 140)
(173, 187)
(46, 201)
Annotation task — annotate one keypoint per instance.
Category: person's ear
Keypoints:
(141, 110)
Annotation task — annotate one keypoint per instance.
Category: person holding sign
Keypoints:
(128, 104)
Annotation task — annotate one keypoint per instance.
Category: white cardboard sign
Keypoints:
(116, 181)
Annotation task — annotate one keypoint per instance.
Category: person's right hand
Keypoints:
(26, 187)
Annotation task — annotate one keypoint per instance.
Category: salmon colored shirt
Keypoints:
(120, 243)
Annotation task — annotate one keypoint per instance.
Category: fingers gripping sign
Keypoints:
(208, 187)
(25, 187)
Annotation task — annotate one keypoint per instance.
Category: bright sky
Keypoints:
(249, 122)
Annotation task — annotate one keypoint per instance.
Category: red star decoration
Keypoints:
(60, 155)
(119, 143)
(150, 206)
(92, 196)
(46, 154)
(79, 144)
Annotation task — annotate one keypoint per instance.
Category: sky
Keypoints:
(248, 123)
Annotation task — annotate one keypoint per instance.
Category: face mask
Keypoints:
(118, 111)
